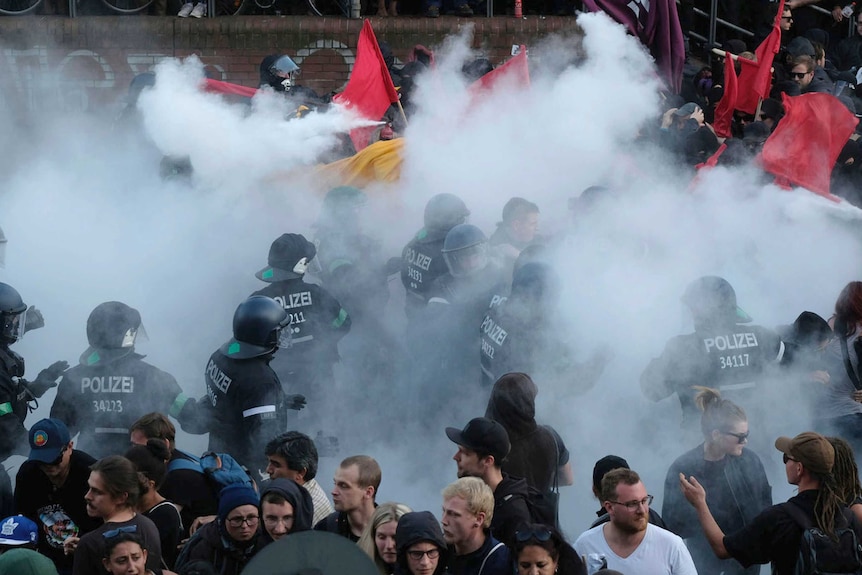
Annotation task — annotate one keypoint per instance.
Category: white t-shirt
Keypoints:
(660, 553)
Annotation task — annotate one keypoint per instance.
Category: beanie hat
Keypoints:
(604, 465)
(234, 496)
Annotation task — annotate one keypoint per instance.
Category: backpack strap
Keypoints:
(491, 552)
(847, 365)
(798, 515)
(185, 461)
(556, 486)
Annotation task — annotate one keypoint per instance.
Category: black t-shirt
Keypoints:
(167, 520)
(59, 512)
(91, 548)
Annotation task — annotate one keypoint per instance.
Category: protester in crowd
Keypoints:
(846, 475)
(732, 475)
(293, 455)
(848, 54)
(803, 71)
(229, 542)
(18, 532)
(50, 488)
(115, 489)
(150, 461)
(285, 508)
(628, 542)
(518, 229)
(775, 534)
(26, 562)
(378, 538)
(420, 546)
(537, 452)
(542, 550)
(468, 508)
(356, 481)
(125, 555)
(187, 489)
(602, 467)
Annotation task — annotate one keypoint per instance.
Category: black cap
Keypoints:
(483, 436)
(606, 464)
(285, 254)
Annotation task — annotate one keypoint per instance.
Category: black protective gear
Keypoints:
(712, 299)
(33, 319)
(289, 256)
(257, 328)
(296, 402)
(445, 211)
(340, 207)
(47, 378)
(278, 72)
(112, 329)
(11, 309)
(465, 250)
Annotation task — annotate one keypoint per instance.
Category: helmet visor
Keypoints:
(467, 261)
(134, 335)
(13, 325)
(285, 337)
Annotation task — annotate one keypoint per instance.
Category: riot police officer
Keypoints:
(422, 259)
(245, 401)
(315, 319)
(33, 318)
(723, 353)
(112, 386)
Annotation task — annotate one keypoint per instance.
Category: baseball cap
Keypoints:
(18, 530)
(48, 439)
(483, 436)
(811, 449)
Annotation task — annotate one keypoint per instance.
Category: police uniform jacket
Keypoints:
(13, 404)
(421, 264)
(103, 397)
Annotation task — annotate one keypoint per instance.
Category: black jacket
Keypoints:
(337, 522)
(421, 264)
(13, 404)
(510, 509)
(211, 546)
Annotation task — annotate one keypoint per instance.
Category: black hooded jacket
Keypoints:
(510, 509)
(211, 545)
(415, 528)
(299, 499)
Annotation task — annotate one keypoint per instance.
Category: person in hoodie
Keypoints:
(419, 545)
(229, 542)
(317, 320)
(732, 475)
(483, 445)
(538, 453)
(285, 508)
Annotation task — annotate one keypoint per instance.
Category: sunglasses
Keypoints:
(538, 533)
(59, 459)
(740, 437)
(788, 18)
(114, 532)
(798, 75)
(787, 458)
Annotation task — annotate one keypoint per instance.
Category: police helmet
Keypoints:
(445, 211)
(2, 249)
(340, 206)
(112, 330)
(536, 281)
(465, 250)
(258, 329)
(711, 298)
(12, 314)
(289, 257)
(283, 73)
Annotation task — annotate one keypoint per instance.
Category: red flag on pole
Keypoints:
(516, 70)
(805, 145)
(724, 109)
(219, 87)
(755, 79)
(369, 91)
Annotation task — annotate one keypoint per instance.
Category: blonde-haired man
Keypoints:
(468, 506)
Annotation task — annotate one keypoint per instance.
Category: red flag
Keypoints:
(805, 145)
(369, 91)
(724, 109)
(515, 70)
(219, 87)
(755, 79)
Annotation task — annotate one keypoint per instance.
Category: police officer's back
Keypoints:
(112, 386)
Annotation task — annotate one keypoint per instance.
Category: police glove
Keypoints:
(47, 378)
(296, 402)
(33, 319)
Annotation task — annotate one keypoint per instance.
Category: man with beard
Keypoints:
(628, 542)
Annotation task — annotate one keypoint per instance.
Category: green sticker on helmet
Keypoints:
(233, 348)
(267, 274)
(94, 358)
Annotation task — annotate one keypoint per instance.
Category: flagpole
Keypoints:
(759, 107)
(401, 108)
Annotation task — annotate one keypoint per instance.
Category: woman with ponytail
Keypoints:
(115, 488)
(733, 477)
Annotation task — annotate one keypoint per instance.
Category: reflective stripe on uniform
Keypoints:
(438, 300)
(112, 430)
(5, 408)
(780, 351)
(339, 321)
(735, 386)
(258, 410)
(177, 405)
(302, 339)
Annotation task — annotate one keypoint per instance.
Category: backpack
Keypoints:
(220, 469)
(821, 555)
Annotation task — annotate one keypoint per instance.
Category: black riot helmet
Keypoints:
(12, 314)
(712, 299)
(112, 330)
(280, 72)
(258, 329)
(465, 250)
(445, 211)
(340, 209)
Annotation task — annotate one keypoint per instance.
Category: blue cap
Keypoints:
(48, 439)
(18, 530)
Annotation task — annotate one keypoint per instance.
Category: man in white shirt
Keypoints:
(628, 542)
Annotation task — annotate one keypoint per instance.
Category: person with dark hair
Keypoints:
(150, 461)
(604, 466)
(125, 555)
(115, 489)
(732, 475)
(112, 386)
(775, 534)
(628, 542)
(285, 508)
(356, 483)
(293, 455)
(846, 475)
(518, 229)
(229, 542)
(542, 550)
(188, 490)
(419, 545)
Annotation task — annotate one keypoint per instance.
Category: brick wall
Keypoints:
(89, 61)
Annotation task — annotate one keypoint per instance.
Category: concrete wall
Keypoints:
(88, 62)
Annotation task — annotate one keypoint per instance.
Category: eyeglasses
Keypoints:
(273, 521)
(635, 505)
(538, 533)
(798, 75)
(59, 459)
(417, 555)
(114, 532)
(787, 458)
(251, 520)
(740, 437)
